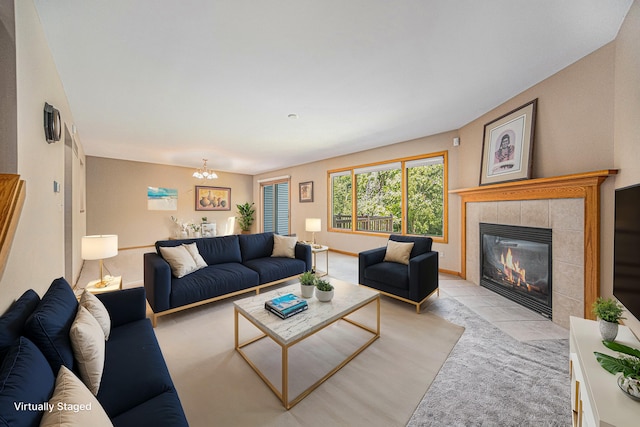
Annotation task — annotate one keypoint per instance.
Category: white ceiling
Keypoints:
(173, 82)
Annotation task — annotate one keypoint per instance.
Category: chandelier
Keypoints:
(204, 172)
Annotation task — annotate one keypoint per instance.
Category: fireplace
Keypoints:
(516, 262)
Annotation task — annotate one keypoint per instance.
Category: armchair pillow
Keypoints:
(284, 246)
(398, 252)
(87, 341)
(70, 390)
(97, 310)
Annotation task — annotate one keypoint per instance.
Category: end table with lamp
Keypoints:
(99, 247)
(314, 225)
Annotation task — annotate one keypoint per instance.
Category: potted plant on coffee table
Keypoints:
(609, 313)
(307, 284)
(324, 290)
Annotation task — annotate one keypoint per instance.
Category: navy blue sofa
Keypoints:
(136, 388)
(412, 283)
(235, 264)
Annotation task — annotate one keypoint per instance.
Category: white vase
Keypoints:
(324, 296)
(307, 290)
(608, 330)
(196, 234)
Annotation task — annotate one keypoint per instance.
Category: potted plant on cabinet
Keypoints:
(609, 313)
(324, 290)
(307, 284)
(246, 212)
(628, 364)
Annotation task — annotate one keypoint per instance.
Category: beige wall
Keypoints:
(626, 122)
(37, 255)
(117, 199)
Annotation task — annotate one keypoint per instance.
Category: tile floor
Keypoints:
(510, 317)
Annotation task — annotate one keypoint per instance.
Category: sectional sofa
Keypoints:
(229, 265)
(40, 369)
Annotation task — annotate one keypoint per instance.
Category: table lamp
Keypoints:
(313, 225)
(99, 247)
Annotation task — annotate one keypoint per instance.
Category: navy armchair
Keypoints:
(412, 282)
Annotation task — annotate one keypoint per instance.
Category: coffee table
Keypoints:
(347, 299)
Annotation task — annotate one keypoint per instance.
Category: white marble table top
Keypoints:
(347, 298)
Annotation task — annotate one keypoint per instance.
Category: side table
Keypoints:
(114, 283)
(316, 249)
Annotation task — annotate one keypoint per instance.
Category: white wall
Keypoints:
(37, 254)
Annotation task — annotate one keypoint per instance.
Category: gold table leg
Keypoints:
(284, 394)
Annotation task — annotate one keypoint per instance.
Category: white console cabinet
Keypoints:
(596, 399)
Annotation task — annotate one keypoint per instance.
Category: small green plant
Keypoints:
(608, 310)
(628, 363)
(323, 285)
(308, 278)
(246, 212)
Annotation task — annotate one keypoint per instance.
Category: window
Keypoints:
(379, 198)
(403, 196)
(341, 200)
(275, 207)
(425, 196)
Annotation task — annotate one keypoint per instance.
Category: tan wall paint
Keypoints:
(117, 199)
(37, 254)
(626, 123)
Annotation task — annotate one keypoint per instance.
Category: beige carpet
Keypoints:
(380, 387)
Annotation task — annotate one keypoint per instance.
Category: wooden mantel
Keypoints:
(12, 193)
(583, 185)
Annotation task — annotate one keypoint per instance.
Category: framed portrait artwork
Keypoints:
(507, 146)
(213, 198)
(306, 191)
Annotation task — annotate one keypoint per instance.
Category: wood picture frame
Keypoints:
(306, 192)
(212, 198)
(507, 146)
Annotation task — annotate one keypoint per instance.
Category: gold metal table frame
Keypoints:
(284, 394)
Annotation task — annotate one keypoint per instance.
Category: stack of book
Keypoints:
(286, 305)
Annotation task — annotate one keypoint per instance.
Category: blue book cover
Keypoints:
(286, 305)
(285, 301)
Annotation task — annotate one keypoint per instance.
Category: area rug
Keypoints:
(492, 379)
(382, 386)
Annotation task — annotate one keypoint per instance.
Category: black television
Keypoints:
(626, 248)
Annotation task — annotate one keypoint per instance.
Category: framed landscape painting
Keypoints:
(162, 199)
(507, 146)
(213, 198)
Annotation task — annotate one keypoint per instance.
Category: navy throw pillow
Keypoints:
(13, 320)
(26, 384)
(49, 325)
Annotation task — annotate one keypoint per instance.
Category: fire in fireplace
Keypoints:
(516, 263)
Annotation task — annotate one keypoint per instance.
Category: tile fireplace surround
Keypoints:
(569, 206)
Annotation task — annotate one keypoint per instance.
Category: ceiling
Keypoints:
(172, 82)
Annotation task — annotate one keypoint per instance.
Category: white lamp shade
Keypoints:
(313, 224)
(99, 246)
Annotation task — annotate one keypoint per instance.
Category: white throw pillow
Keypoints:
(179, 259)
(192, 248)
(398, 252)
(97, 310)
(73, 405)
(284, 246)
(87, 342)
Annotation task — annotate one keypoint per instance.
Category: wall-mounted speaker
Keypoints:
(52, 124)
